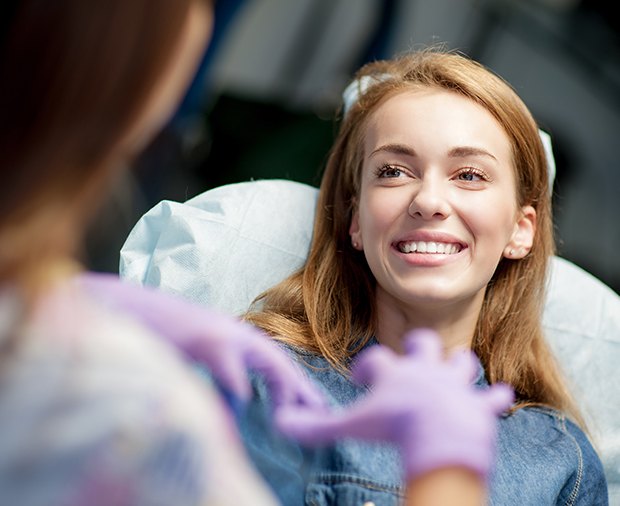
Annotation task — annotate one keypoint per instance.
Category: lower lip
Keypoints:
(428, 259)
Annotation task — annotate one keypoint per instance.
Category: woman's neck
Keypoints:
(455, 322)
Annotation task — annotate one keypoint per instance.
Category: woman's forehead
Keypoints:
(432, 117)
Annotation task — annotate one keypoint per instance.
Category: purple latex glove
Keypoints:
(227, 346)
(424, 404)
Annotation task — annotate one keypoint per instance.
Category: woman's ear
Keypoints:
(355, 233)
(522, 238)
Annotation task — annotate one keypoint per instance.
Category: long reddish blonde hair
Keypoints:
(328, 306)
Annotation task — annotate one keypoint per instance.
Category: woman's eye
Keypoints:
(389, 171)
(471, 175)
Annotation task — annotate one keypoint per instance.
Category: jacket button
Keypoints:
(369, 503)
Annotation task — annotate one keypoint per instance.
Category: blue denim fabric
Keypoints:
(542, 458)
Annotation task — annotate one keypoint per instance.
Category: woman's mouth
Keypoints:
(434, 247)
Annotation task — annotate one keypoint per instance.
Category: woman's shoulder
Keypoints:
(536, 442)
(540, 425)
(548, 424)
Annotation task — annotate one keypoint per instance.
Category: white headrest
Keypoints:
(225, 246)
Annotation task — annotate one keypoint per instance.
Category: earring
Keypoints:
(355, 244)
(511, 252)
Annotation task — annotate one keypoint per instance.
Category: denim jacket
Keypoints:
(542, 457)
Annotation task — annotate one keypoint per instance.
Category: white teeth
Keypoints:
(442, 248)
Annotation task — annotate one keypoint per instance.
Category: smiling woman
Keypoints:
(436, 159)
(434, 211)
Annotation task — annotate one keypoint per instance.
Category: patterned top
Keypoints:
(94, 410)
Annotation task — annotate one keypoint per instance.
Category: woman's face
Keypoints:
(437, 208)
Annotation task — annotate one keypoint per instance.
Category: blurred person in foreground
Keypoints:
(96, 408)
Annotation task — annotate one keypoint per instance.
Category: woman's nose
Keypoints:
(429, 201)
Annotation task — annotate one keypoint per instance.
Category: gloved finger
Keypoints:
(256, 351)
(499, 397)
(232, 330)
(230, 372)
(319, 427)
(465, 364)
(297, 390)
(371, 362)
(287, 383)
(307, 426)
(425, 343)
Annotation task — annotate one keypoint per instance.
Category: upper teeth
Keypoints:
(429, 247)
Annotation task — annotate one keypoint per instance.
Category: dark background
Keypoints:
(263, 104)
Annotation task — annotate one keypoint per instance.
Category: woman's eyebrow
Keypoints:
(456, 152)
(464, 151)
(397, 149)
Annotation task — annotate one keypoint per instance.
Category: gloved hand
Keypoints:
(227, 346)
(424, 404)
